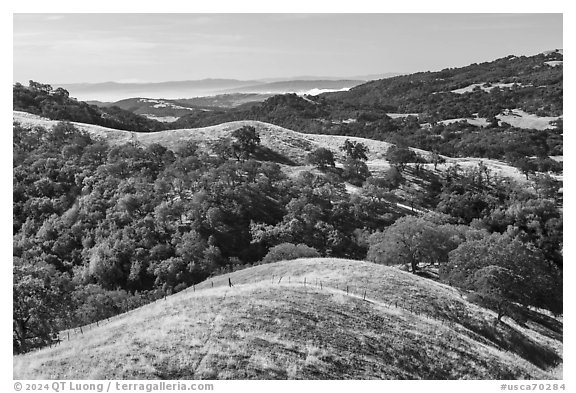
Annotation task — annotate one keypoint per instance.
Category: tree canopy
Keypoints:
(322, 158)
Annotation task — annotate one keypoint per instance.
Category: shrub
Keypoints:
(321, 158)
(288, 251)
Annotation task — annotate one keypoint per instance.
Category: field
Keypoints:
(308, 319)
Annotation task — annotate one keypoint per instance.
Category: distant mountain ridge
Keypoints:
(298, 86)
(114, 91)
(364, 77)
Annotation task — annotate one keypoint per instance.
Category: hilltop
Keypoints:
(269, 325)
(170, 110)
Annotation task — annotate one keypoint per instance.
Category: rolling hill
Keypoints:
(307, 319)
(531, 83)
(292, 145)
(171, 110)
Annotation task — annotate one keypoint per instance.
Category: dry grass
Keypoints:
(276, 328)
(292, 145)
(519, 118)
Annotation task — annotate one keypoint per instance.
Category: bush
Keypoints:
(321, 158)
(288, 251)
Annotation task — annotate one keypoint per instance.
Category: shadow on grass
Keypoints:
(266, 154)
(510, 339)
(541, 323)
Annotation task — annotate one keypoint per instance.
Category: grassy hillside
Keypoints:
(270, 325)
(293, 146)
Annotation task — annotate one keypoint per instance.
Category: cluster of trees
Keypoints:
(500, 269)
(42, 99)
(501, 242)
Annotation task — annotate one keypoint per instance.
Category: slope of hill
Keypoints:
(57, 104)
(291, 144)
(164, 108)
(352, 320)
(231, 100)
(527, 83)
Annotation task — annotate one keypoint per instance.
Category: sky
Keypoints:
(89, 47)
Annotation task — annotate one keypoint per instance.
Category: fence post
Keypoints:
(304, 281)
(212, 282)
(364, 297)
(81, 330)
(320, 284)
(346, 289)
(68, 335)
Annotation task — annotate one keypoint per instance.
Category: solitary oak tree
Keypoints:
(246, 141)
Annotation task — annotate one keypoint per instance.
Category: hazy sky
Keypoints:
(66, 48)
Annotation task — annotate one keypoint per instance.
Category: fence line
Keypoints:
(68, 334)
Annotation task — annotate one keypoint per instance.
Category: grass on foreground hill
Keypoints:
(270, 325)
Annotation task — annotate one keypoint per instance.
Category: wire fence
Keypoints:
(346, 288)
